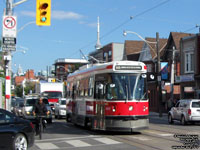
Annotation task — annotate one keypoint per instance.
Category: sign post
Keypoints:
(9, 34)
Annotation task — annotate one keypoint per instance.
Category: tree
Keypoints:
(19, 91)
(30, 86)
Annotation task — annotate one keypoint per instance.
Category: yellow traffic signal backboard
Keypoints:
(43, 12)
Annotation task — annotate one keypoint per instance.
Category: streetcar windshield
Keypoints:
(126, 87)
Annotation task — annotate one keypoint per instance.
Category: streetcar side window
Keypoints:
(74, 92)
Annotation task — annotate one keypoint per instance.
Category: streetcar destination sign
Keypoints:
(127, 67)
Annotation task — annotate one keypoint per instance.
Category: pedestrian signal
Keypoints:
(43, 12)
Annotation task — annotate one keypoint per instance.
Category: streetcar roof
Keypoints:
(111, 67)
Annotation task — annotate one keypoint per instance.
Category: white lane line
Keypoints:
(44, 146)
(77, 143)
(67, 138)
(142, 138)
(106, 141)
(166, 134)
(159, 133)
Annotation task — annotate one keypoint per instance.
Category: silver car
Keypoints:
(28, 108)
(60, 108)
(185, 110)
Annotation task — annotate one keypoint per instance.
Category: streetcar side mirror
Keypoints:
(112, 85)
(100, 86)
(100, 91)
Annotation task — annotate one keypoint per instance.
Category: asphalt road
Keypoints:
(159, 136)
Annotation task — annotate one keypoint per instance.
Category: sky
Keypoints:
(74, 26)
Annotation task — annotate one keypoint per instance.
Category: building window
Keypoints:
(109, 55)
(189, 62)
(105, 55)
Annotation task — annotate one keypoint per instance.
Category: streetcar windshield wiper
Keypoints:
(143, 96)
(126, 93)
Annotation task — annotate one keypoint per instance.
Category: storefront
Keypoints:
(187, 86)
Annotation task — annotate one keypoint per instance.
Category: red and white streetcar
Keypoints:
(109, 96)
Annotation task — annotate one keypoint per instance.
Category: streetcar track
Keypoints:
(135, 143)
(173, 131)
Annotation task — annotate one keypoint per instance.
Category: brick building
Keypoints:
(29, 75)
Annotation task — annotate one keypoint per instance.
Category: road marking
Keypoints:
(47, 146)
(78, 143)
(167, 134)
(68, 138)
(106, 141)
(158, 133)
(142, 138)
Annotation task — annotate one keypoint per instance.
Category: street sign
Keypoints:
(9, 26)
(9, 44)
(9, 40)
(6, 47)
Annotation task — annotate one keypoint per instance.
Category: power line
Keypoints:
(125, 22)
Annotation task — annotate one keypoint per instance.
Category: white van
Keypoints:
(185, 110)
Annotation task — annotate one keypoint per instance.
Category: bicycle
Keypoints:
(40, 125)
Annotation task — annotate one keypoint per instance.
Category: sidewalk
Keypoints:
(156, 115)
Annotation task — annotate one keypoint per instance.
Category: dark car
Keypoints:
(15, 133)
(17, 108)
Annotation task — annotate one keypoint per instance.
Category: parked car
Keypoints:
(52, 105)
(17, 108)
(60, 108)
(15, 133)
(185, 110)
(28, 108)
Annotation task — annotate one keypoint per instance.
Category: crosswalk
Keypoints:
(75, 143)
(97, 140)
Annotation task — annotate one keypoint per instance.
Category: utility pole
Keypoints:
(159, 96)
(9, 45)
(9, 12)
(172, 76)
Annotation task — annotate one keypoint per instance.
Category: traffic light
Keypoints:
(43, 12)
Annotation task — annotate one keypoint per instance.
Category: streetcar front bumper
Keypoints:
(126, 123)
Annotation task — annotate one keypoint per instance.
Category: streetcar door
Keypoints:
(99, 92)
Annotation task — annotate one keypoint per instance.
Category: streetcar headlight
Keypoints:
(113, 109)
(130, 108)
(145, 108)
(28, 113)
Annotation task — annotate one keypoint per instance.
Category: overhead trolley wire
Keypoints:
(123, 23)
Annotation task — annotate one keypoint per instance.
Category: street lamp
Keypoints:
(147, 42)
(31, 22)
(23, 51)
(159, 96)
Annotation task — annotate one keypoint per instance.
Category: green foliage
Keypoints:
(76, 67)
(2, 74)
(30, 86)
(19, 91)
